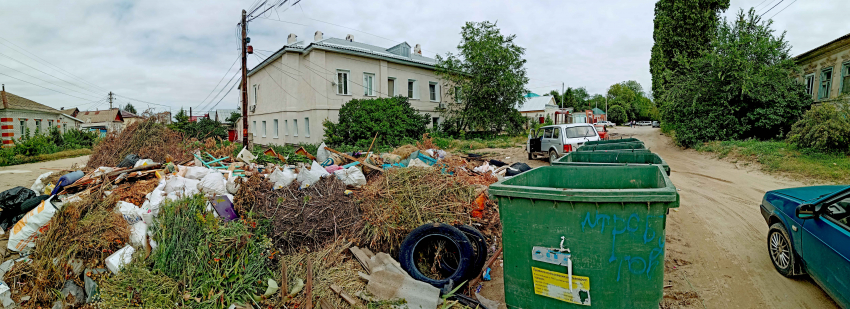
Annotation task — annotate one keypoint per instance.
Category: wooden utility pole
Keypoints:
(244, 81)
(110, 100)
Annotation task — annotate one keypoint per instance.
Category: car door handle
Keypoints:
(794, 227)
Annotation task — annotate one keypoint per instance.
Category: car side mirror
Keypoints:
(805, 211)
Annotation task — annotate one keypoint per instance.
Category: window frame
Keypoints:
(295, 125)
(340, 84)
(436, 93)
(254, 127)
(367, 84)
(256, 94)
(306, 126)
(412, 92)
(275, 128)
(38, 125)
(547, 133)
(264, 128)
(828, 215)
(823, 74)
(286, 127)
(810, 83)
(391, 91)
(23, 127)
(845, 72)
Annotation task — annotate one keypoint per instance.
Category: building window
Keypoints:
(49, 124)
(37, 125)
(286, 127)
(434, 91)
(411, 89)
(342, 82)
(256, 90)
(295, 125)
(307, 127)
(458, 93)
(264, 129)
(845, 78)
(825, 83)
(810, 84)
(275, 128)
(254, 127)
(368, 84)
(391, 87)
(65, 127)
(23, 127)
(435, 121)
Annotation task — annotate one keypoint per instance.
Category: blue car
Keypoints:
(809, 234)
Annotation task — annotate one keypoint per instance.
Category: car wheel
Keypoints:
(553, 156)
(781, 251)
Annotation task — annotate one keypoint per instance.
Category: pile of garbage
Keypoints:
(209, 229)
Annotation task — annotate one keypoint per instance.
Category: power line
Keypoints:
(219, 81)
(780, 11)
(219, 92)
(13, 69)
(70, 95)
(763, 1)
(132, 99)
(48, 74)
(225, 95)
(25, 52)
(780, 2)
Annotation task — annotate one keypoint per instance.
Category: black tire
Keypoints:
(781, 250)
(553, 156)
(421, 237)
(479, 247)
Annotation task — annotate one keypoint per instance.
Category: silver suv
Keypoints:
(558, 140)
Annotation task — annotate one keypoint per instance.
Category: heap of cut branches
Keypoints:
(312, 217)
(149, 139)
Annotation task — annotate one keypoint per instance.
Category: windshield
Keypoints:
(582, 131)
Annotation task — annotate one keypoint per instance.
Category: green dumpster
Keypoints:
(613, 146)
(608, 158)
(613, 141)
(612, 220)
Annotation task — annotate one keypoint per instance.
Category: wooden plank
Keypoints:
(344, 155)
(342, 294)
(362, 258)
(308, 288)
(474, 283)
(325, 304)
(284, 282)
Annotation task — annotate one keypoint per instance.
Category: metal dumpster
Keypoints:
(613, 141)
(603, 225)
(612, 146)
(611, 158)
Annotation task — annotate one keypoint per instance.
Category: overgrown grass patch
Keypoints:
(782, 157)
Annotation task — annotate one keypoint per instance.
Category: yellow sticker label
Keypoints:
(556, 285)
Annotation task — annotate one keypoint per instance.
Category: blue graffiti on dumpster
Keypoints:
(635, 264)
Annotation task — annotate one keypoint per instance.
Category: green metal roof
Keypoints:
(597, 111)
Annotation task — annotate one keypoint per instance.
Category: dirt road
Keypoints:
(25, 174)
(716, 241)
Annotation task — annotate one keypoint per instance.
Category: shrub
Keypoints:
(393, 119)
(824, 127)
(617, 114)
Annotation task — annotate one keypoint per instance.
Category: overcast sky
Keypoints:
(174, 52)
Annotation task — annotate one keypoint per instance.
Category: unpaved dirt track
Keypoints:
(25, 174)
(716, 241)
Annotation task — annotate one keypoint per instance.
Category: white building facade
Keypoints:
(295, 89)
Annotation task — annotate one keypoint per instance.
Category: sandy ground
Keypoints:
(716, 241)
(25, 174)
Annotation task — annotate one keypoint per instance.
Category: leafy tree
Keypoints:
(130, 108)
(200, 129)
(233, 118)
(181, 116)
(556, 95)
(393, 119)
(490, 77)
(740, 87)
(597, 100)
(683, 29)
(617, 114)
(631, 97)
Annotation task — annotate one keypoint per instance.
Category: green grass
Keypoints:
(21, 159)
(782, 157)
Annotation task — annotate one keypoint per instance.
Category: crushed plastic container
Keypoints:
(614, 141)
(612, 158)
(117, 260)
(612, 146)
(578, 236)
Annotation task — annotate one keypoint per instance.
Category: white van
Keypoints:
(558, 140)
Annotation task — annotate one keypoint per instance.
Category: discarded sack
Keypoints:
(38, 185)
(197, 172)
(129, 161)
(232, 185)
(129, 211)
(282, 178)
(351, 176)
(322, 154)
(25, 208)
(143, 163)
(517, 168)
(213, 184)
(11, 201)
(66, 180)
(27, 230)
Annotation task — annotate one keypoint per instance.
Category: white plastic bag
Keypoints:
(213, 184)
(322, 154)
(38, 185)
(175, 184)
(351, 176)
(282, 178)
(129, 211)
(24, 234)
(483, 169)
(318, 169)
(417, 163)
(232, 185)
(246, 156)
(191, 188)
(102, 170)
(307, 177)
(197, 172)
(138, 233)
(143, 163)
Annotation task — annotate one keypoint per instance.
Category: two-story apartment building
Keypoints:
(826, 69)
(294, 90)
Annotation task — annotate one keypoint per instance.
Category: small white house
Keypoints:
(536, 107)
